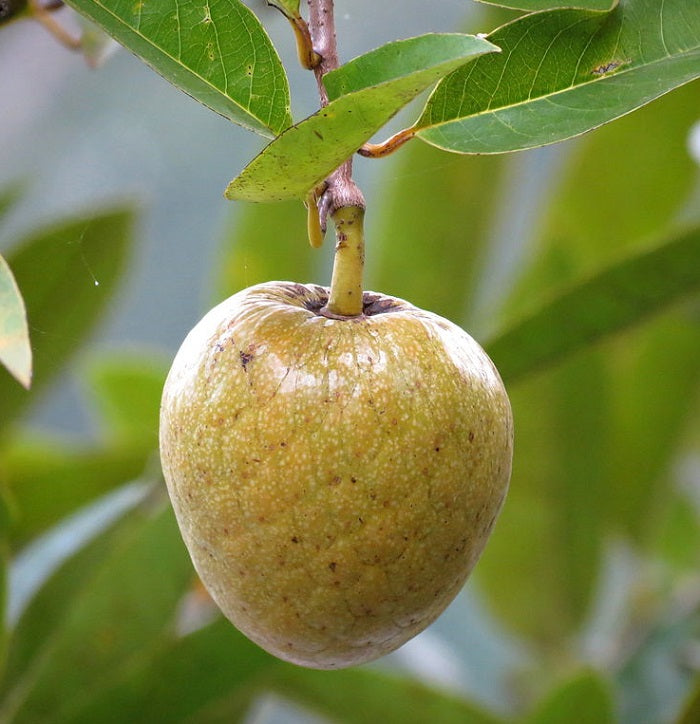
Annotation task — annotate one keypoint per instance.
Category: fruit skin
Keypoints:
(335, 480)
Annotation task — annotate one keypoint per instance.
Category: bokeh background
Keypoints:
(592, 574)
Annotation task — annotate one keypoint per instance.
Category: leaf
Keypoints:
(656, 377)
(548, 4)
(47, 610)
(264, 242)
(47, 480)
(615, 298)
(585, 699)
(122, 613)
(581, 475)
(358, 696)
(215, 50)
(562, 73)
(126, 390)
(182, 679)
(377, 85)
(15, 351)
(67, 274)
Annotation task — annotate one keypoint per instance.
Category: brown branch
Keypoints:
(379, 150)
(341, 190)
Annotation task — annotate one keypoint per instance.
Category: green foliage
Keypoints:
(594, 325)
(613, 299)
(15, 352)
(561, 73)
(67, 275)
(586, 699)
(364, 94)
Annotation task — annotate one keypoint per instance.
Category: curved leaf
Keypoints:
(67, 274)
(15, 351)
(549, 4)
(615, 298)
(585, 699)
(47, 481)
(562, 73)
(215, 50)
(357, 696)
(376, 86)
(124, 609)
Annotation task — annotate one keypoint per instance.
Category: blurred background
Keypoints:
(590, 584)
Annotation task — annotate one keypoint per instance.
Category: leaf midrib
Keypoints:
(568, 89)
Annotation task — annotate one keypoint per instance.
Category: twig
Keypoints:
(341, 190)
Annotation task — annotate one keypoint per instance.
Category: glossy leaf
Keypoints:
(617, 297)
(562, 73)
(264, 242)
(15, 351)
(549, 4)
(67, 275)
(47, 480)
(215, 51)
(585, 699)
(125, 389)
(376, 86)
(124, 610)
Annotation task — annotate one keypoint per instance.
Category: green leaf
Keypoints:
(124, 612)
(67, 275)
(182, 679)
(264, 242)
(15, 351)
(377, 85)
(215, 50)
(656, 374)
(593, 465)
(47, 480)
(586, 699)
(126, 390)
(47, 610)
(562, 73)
(359, 696)
(549, 4)
(613, 299)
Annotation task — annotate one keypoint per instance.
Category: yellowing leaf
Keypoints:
(15, 350)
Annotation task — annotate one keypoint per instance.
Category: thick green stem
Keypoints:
(345, 298)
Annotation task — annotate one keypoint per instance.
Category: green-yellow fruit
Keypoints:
(335, 480)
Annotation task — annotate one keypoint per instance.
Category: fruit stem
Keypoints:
(345, 298)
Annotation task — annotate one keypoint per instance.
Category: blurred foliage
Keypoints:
(594, 567)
